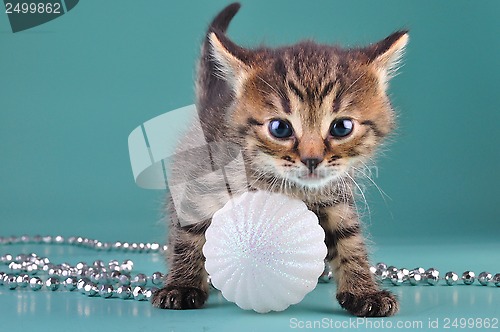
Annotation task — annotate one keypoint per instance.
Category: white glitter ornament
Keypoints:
(264, 251)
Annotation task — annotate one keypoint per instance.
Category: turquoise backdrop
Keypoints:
(72, 90)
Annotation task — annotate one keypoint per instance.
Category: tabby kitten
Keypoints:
(303, 118)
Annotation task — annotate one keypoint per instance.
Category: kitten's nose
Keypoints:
(311, 163)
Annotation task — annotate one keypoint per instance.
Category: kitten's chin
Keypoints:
(314, 181)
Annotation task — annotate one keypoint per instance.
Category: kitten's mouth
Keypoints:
(314, 179)
(311, 176)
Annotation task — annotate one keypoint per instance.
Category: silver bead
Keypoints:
(15, 267)
(381, 270)
(6, 259)
(451, 278)
(47, 267)
(164, 248)
(114, 276)
(42, 262)
(25, 239)
(415, 277)
(81, 284)
(114, 265)
(81, 266)
(127, 265)
(13, 239)
(21, 258)
(124, 279)
(106, 291)
(36, 283)
(70, 283)
(484, 278)
(397, 278)
(64, 266)
(406, 273)
(33, 257)
(139, 280)
(210, 284)
(47, 239)
(150, 292)
(58, 239)
(157, 278)
(125, 246)
(10, 281)
(138, 293)
(496, 279)
(54, 272)
(99, 264)
(65, 273)
(326, 275)
(32, 269)
(124, 292)
(23, 280)
(95, 276)
(468, 277)
(117, 245)
(52, 283)
(155, 247)
(102, 278)
(432, 276)
(391, 270)
(90, 289)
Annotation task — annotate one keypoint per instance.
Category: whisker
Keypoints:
(362, 195)
(382, 192)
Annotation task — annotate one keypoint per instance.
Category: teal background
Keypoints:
(74, 88)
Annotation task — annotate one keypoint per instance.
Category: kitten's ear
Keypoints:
(233, 61)
(386, 55)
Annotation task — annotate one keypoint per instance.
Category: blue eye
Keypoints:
(341, 127)
(280, 128)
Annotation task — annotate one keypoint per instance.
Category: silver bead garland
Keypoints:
(109, 280)
(80, 241)
(430, 276)
(114, 279)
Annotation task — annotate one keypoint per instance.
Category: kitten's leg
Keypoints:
(186, 284)
(357, 290)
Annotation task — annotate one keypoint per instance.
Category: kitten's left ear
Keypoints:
(233, 61)
(386, 55)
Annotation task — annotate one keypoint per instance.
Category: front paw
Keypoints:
(179, 297)
(378, 304)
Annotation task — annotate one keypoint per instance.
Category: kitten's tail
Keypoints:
(213, 95)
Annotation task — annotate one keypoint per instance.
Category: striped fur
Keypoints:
(239, 92)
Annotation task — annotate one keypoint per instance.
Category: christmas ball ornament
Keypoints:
(264, 251)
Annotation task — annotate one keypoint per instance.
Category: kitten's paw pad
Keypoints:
(378, 304)
(179, 297)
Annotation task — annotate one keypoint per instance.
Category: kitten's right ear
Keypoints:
(233, 61)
